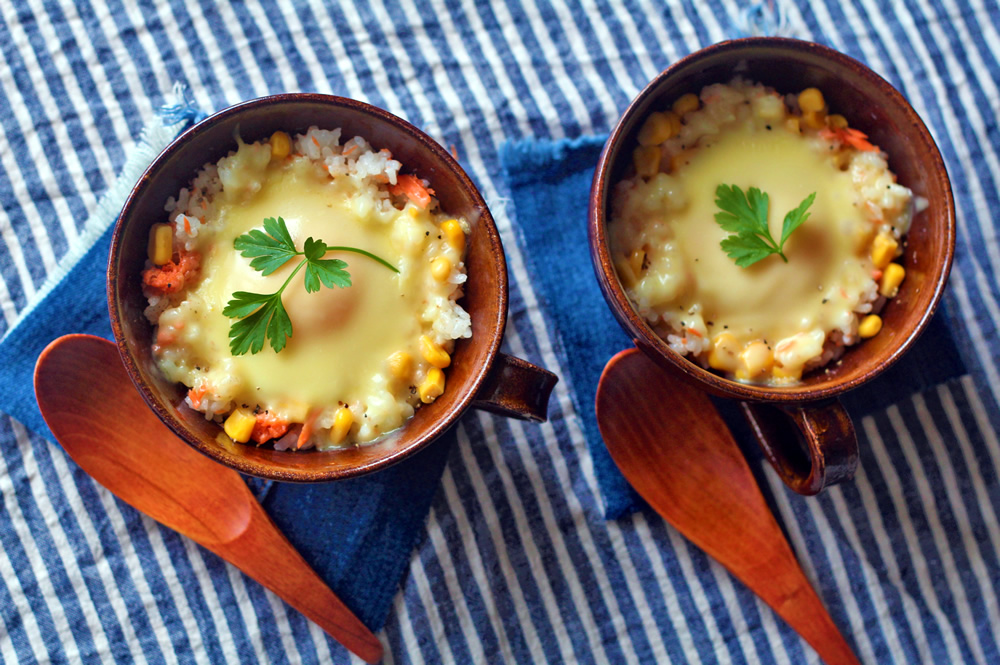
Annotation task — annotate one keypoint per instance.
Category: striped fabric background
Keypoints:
(517, 564)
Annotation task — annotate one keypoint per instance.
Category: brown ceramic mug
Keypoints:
(802, 429)
(480, 375)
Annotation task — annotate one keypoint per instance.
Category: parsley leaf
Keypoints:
(328, 271)
(244, 304)
(271, 248)
(794, 218)
(269, 321)
(314, 250)
(746, 249)
(745, 217)
(262, 317)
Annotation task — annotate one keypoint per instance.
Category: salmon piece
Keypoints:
(411, 187)
(267, 427)
(172, 276)
(852, 137)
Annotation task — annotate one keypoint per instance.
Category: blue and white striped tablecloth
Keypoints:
(517, 564)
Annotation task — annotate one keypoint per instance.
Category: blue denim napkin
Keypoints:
(357, 534)
(549, 184)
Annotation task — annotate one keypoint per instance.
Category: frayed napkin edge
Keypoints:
(157, 133)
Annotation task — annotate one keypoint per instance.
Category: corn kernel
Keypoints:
(454, 234)
(792, 124)
(342, 421)
(625, 274)
(646, 160)
(281, 145)
(161, 244)
(440, 268)
(869, 326)
(432, 386)
(636, 261)
(755, 360)
(811, 99)
(239, 425)
(400, 365)
(836, 121)
(883, 250)
(723, 353)
(814, 119)
(786, 374)
(892, 277)
(658, 128)
(686, 104)
(433, 353)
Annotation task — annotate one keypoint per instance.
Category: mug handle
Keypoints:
(811, 446)
(516, 388)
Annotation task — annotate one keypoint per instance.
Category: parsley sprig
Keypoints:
(262, 316)
(745, 217)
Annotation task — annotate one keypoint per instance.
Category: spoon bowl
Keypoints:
(673, 447)
(89, 403)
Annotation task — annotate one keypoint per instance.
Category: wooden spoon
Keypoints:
(675, 450)
(96, 414)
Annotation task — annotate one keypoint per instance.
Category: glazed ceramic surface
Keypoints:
(876, 108)
(525, 395)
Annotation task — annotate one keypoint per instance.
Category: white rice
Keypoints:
(724, 105)
(370, 171)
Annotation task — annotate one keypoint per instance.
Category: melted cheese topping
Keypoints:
(693, 287)
(339, 334)
(341, 337)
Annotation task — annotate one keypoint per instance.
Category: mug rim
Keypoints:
(646, 339)
(245, 465)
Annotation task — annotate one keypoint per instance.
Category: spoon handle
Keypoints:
(787, 591)
(805, 611)
(263, 553)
